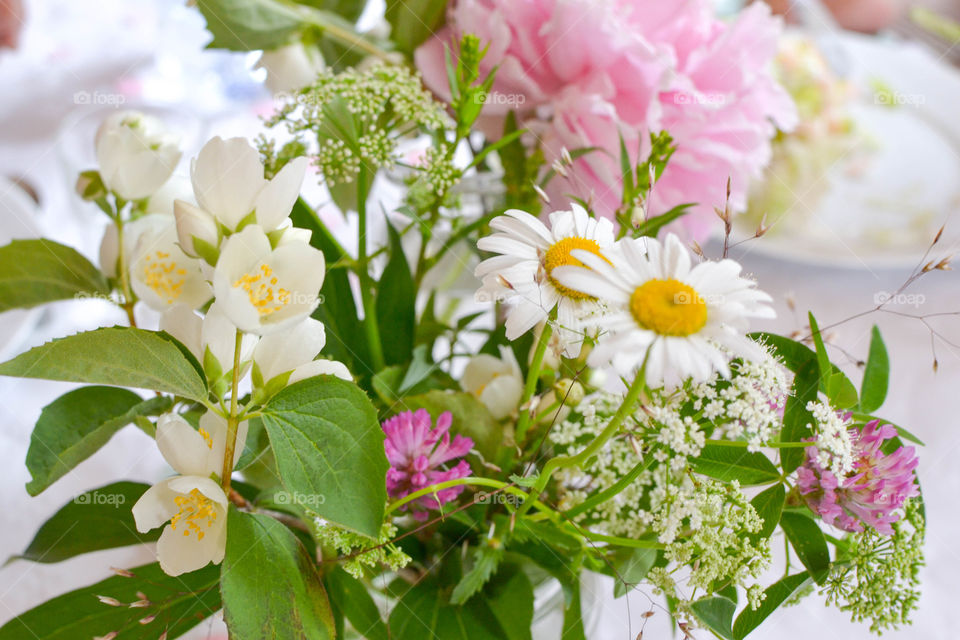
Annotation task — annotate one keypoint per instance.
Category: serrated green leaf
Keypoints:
(716, 614)
(350, 596)
(179, 604)
(270, 584)
(396, 305)
(75, 425)
(807, 540)
(876, 375)
(94, 520)
(486, 559)
(328, 442)
(33, 272)
(735, 463)
(769, 506)
(116, 356)
(776, 594)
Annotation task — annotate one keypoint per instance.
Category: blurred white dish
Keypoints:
(17, 221)
(882, 208)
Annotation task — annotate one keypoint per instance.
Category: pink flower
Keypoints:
(873, 494)
(581, 72)
(417, 454)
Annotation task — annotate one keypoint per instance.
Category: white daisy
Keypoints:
(523, 274)
(690, 320)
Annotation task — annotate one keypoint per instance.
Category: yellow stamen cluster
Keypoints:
(196, 513)
(259, 286)
(206, 437)
(558, 255)
(668, 308)
(162, 274)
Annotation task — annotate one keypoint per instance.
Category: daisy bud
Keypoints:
(570, 391)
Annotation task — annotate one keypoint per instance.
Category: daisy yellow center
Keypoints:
(261, 287)
(196, 514)
(668, 308)
(162, 274)
(558, 255)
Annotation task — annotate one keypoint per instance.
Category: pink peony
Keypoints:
(581, 72)
(873, 494)
(417, 454)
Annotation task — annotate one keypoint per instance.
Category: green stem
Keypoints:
(623, 542)
(744, 445)
(366, 283)
(460, 482)
(561, 462)
(232, 420)
(533, 375)
(342, 33)
(122, 267)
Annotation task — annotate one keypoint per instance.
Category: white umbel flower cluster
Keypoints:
(832, 429)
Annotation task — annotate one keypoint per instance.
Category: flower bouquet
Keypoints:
(357, 452)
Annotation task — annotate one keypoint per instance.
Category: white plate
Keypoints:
(885, 211)
(17, 220)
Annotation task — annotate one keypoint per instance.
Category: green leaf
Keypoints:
(94, 520)
(248, 25)
(329, 448)
(33, 272)
(75, 425)
(823, 360)
(735, 463)
(631, 567)
(573, 615)
(350, 596)
(807, 540)
(510, 596)
(270, 584)
(179, 604)
(776, 594)
(337, 310)
(423, 612)
(413, 21)
(796, 417)
(470, 417)
(396, 305)
(117, 356)
(652, 226)
(906, 435)
(258, 441)
(769, 506)
(876, 375)
(794, 355)
(485, 563)
(717, 614)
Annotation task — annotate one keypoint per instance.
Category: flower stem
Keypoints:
(366, 284)
(122, 267)
(460, 482)
(626, 409)
(232, 421)
(533, 374)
